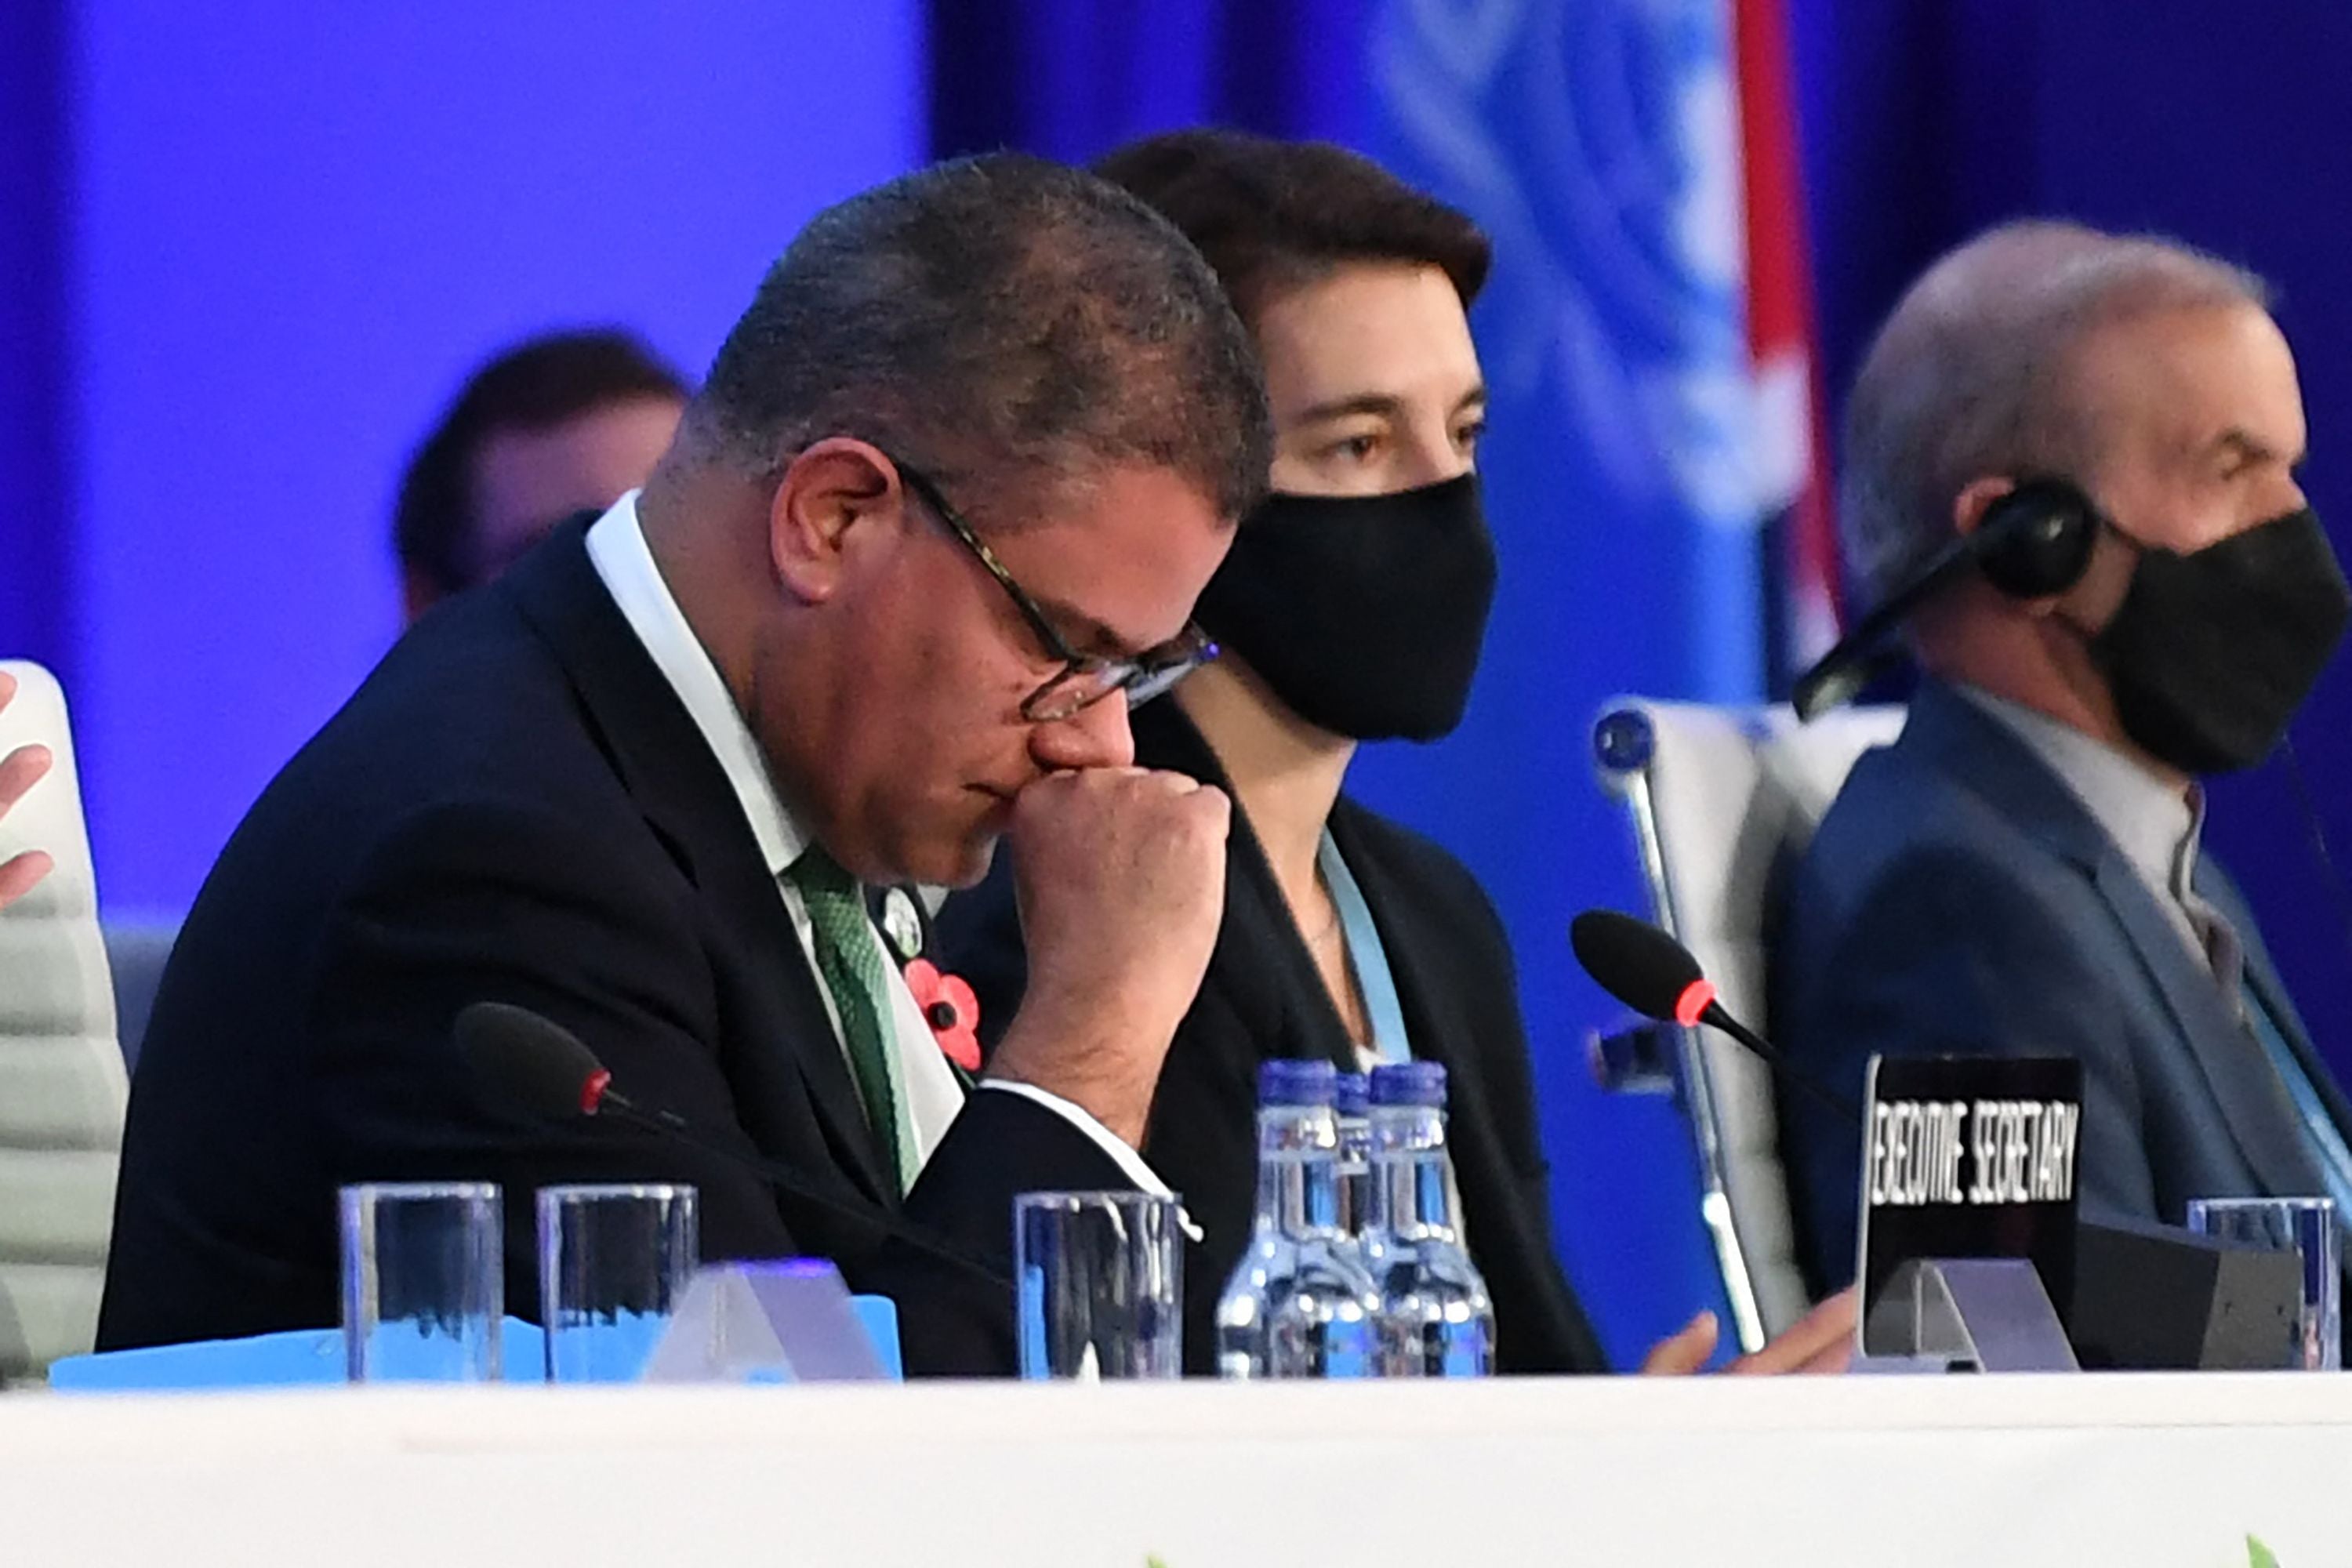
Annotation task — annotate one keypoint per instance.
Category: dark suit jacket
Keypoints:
(515, 807)
(1263, 1000)
(1959, 897)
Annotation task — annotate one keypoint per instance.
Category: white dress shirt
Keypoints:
(2156, 825)
(616, 548)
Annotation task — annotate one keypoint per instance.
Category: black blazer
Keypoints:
(1960, 897)
(1263, 1000)
(515, 807)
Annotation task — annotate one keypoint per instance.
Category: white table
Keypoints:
(2113, 1470)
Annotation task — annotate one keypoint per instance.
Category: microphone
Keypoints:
(537, 1065)
(2144, 1296)
(1656, 976)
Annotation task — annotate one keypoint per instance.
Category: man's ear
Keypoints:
(2101, 584)
(823, 495)
(1976, 498)
(1968, 509)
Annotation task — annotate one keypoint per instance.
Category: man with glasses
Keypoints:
(1085, 678)
(646, 785)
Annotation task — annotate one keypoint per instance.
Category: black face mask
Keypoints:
(2211, 652)
(1364, 614)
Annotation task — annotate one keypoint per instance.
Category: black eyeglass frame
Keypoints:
(1083, 678)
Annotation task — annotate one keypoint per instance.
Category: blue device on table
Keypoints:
(315, 1356)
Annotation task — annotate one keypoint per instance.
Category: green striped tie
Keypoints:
(851, 965)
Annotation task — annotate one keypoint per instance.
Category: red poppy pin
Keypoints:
(950, 1009)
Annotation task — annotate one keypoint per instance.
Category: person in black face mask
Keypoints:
(2020, 873)
(1351, 608)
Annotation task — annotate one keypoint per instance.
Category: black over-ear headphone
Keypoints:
(2032, 542)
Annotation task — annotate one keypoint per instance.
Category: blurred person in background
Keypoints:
(1352, 608)
(556, 425)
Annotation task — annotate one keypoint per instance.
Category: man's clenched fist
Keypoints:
(1121, 879)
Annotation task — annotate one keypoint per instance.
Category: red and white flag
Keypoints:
(1791, 452)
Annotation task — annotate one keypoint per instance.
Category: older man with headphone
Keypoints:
(2071, 476)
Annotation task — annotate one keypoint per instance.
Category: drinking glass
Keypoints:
(1101, 1285)
(613, 1261)
(422, 1287)
(2304, 1225)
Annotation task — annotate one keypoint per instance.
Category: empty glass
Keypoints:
(612, 1262)
(1101, 1278)
(2307, 1226)
(423, 1287)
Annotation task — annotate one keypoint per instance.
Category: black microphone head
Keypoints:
(531, 1062)
(1636, 963)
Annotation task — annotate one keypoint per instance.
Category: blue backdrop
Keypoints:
(1584, 133)
(244, 254)
(1594, 141)
(1926, 122)
(261, 245)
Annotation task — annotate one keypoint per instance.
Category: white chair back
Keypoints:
(1723, 801)
(62, 1084)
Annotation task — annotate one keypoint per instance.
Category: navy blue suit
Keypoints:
(1960, 897)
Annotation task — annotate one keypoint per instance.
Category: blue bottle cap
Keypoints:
(1296, 1083)
(1355, 1094)
(1409, 1083)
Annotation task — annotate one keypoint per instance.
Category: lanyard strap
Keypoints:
(1366, 957)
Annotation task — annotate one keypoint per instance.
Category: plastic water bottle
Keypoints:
(1352, 1106)
(1299, 1304)
(1435, 1318)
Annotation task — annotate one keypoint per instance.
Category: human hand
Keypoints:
(1684, 1350)
(1120, 873)
(1822, 1341)
(19, 771)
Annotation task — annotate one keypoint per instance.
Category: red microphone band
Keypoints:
(1693, 1004)
(591, 1091)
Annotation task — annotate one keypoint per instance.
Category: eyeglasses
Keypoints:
(1085, 678)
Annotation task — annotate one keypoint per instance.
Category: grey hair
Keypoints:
(1969, 376)
(1003, 320)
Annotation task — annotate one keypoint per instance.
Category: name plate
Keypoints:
(1969, 1157)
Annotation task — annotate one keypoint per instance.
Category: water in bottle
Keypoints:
(1299, 1303)
(1435, 1318)
(1352, 1106)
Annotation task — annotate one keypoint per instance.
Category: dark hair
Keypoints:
(1270, 215)
(537, 385)
(1001, 318)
